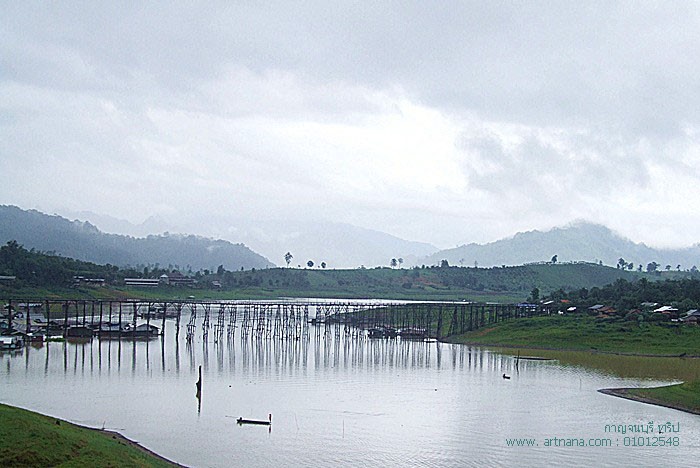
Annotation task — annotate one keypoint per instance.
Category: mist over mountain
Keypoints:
(110, 224)
(579, 241)
(338, 245)
(84, 241)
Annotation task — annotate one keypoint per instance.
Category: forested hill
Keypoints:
(83, 241)
(576, 242)
(24, 271)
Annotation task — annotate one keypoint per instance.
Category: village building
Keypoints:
(691, 317)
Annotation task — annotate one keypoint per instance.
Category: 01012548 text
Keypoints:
(631, 441)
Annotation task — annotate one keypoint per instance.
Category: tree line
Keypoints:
(683, 294)
(34, 268)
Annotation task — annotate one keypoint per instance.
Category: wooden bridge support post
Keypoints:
(65, 318)
(120, 319)
(28, 322)
(165, 312)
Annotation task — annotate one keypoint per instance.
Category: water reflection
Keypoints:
(664, 368)
(338, 398)
(255, 356)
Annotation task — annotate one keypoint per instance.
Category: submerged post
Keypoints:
(9, 314)
(199, 391)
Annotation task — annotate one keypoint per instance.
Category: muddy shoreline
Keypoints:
(625, 393)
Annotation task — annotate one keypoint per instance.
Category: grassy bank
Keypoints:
(684, 397)
(253, 293)
(503, 284)
(585, 333)
(31, 439)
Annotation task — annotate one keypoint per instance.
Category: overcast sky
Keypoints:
(444, 122)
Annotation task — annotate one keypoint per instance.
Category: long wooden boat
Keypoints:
(254, 421)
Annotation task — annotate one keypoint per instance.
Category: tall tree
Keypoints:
(535, 294)
(288, 258)
(393, 263)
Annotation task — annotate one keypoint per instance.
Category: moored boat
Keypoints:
(259, 422)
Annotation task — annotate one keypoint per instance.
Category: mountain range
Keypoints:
(83, 241)
(580, 241)
(337, 245)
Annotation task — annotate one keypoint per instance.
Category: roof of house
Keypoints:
(666, 309)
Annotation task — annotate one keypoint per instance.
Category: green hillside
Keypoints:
(83, 241)
(37, 274)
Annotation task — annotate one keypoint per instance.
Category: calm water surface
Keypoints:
(341, 400)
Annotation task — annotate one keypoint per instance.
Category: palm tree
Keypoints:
(288, 258)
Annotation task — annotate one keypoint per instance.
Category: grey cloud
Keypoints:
(207, 98)
(628, 66)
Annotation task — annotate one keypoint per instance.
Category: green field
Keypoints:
(502, 284)
(585, 333)
(31, 439)
(683, 396)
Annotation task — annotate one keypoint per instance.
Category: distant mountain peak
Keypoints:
(577, 241)
(84, 241)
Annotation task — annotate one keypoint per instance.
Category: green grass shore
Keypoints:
(28, 439)
(684, 396)
(585, 333)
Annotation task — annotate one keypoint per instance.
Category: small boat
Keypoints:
(116, 330)
(413, 333)
(11, 342)
(507, 377)
(534, 358)
(259, 422)
(78, 331)
(382, 332)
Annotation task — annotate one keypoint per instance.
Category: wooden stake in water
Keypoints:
(199, 391)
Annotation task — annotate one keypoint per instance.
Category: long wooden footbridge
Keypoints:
(284, 319)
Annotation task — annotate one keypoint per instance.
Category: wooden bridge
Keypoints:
(284, 319)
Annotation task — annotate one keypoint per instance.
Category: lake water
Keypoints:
(349, 401)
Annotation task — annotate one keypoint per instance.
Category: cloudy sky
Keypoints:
(443, 122)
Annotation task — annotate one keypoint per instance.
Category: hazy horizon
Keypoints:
(464, 122)
(109, 224)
